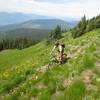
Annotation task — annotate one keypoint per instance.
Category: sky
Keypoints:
(55, 8)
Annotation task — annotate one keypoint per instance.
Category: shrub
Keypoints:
(6, 86)
(10, 97)
(88, 60)
(19, 79)
(33, 91)
(24, 97)
(45, 95)
(47, 78)
(52, 86)
(75, 91)
(49, 81)
(59, 97)
(59, 86)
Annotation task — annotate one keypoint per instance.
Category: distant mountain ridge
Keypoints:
(16, 17)
(14, 25)
(47, 24)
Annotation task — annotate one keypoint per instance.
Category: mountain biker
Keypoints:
(60, 48)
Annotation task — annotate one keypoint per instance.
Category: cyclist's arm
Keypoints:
(53, 50)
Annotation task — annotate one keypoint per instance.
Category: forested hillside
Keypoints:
(28, 33)
(86, 25)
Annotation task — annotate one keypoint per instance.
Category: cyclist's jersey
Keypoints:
(60, 48)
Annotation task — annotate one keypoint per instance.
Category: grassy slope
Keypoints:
(19, 79)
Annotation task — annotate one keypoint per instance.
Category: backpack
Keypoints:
(63, 45)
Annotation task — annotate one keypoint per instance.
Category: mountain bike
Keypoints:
(54, 60)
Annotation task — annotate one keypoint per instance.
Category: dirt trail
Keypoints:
(85, 76)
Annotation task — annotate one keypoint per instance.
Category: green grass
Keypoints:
(20, 81)
(45, 95)
(76, 91)
(88, 59)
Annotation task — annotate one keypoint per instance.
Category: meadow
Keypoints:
(77, 79)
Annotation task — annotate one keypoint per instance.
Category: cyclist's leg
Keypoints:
(60, 55)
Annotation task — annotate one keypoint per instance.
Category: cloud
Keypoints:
(59, 8)
(53, 1)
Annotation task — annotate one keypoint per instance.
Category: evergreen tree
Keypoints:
(18, 43)
(55, 34)
(80, 28)
(86, 26)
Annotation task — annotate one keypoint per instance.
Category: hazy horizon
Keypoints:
(54, 8)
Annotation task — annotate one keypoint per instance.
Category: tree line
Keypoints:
(24, 42)
(85, 26)
(18, 43)
(55, 34)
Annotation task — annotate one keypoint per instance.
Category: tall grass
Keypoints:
(88, 60)
(33, 91)
(45, 95)
(50, 82)
(75, 91)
